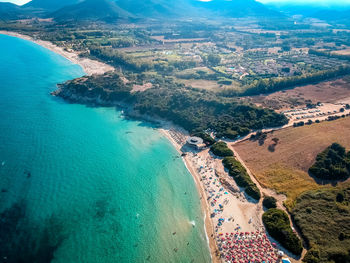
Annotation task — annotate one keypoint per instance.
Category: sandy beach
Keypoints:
(231, 217)
(90, 66)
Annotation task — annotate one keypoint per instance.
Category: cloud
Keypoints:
(18, 2)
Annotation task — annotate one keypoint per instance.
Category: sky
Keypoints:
(20, 2)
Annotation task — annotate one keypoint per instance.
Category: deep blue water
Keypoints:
(110, 189)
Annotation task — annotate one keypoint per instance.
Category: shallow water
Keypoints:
(109, 189)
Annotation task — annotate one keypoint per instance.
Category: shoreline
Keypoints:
(240, 214)
(213, 184)
(208, 226)
(90, 67)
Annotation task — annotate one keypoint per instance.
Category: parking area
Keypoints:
(321, 112)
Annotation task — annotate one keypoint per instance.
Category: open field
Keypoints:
(344, 52)
(284, 167)
(200, 84)
(161, 38)
(327, 92)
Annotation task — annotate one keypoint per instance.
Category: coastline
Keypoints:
(92, 67)
(208, 225)
(212, 181)
(240, 213)
(89, 66)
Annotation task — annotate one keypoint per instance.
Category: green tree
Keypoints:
(213, 60)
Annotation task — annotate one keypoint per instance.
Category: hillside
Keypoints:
(50, 5)
(102, 10)
(10, 11)
(156, 8)
(331, 15)
(236, 8)
(111, 9)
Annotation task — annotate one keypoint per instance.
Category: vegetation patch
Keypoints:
(194, 110)
(332, 164)
(277, 224)
(323, 217)
(221, 149)
(269, 202)
(241, 177)
(270, 85)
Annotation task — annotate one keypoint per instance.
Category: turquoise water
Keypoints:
(110, 189)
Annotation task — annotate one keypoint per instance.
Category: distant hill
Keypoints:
(111, 10)
(332, 11)
(10, 11)
(97, 10)
(50, 5)
(195, 8)
(236, 8)
(148, 8)
(333, 15)
(158, 8)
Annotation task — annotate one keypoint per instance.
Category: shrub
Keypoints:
(340, 197)
(324, 224)
(277, 224)
(225, 82)
(332, 164)
(269, 202)
(312, 256)
(241, 177)
(220, 149)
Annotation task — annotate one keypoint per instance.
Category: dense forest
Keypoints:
(197, 110)
(328, 54)
(271, 85)
(332, 164)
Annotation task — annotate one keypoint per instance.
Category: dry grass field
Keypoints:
(201, 84)
(284, 167)
(328, 91)
(344, 52)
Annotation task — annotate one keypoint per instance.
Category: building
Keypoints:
(195, 142)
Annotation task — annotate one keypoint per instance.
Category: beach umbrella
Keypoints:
(286, 260)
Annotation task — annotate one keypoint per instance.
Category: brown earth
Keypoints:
(328, 91)
(283, 167)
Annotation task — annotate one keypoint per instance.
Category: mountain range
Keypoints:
(109, 10)
(50, 5)
(112, 10)
(103, 10)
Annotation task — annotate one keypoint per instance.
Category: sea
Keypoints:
(84, 184)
